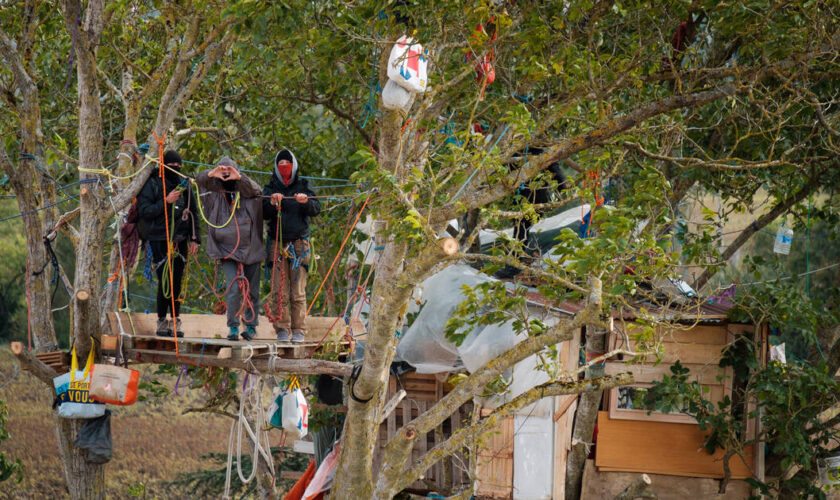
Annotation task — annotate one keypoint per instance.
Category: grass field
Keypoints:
(152, 441)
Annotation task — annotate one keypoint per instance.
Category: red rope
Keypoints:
(245, 292)
(274, 312)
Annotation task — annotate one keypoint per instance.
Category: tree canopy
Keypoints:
(645, 105)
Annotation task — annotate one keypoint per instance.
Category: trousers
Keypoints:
(233, 297)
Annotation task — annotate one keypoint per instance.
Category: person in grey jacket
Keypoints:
(237, 241)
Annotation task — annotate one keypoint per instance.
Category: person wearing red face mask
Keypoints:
(288, 203)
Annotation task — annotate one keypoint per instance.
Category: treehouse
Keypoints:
(132, 337)
(526, 456)
(669, 446)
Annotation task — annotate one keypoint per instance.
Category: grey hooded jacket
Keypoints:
(240, 240)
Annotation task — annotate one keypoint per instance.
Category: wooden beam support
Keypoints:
(391, 405)
(30, 363)
(278, 365)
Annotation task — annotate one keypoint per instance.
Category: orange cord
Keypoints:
(161, 172)
(346, 237)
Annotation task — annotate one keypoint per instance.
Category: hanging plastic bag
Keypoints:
(407, 65)
(275, 410)
(95, 437)
(784, 238)
(295, 413)
(323, 479)
(777, 353)
(72, 391)
(395, 97)
(114, 384)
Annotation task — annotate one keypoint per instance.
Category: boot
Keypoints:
(178, 328)
(234, 333)
(283, 335)
(164, 328)
(249, 333)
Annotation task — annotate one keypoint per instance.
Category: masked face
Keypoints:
(284, 167)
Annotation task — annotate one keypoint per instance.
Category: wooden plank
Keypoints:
(686, 353)
(494, 472)
(214, 326)
(629, 446)
(562, 433)
(109, 342)
(698, 334)
(646, 373)
(563, 404)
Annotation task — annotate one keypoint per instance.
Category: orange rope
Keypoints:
(161, 172)
(346, 237)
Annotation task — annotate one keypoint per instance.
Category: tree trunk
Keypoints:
(354, 474)
(587, 413)
(84, 480)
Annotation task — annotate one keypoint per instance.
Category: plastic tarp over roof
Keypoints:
(424, 345)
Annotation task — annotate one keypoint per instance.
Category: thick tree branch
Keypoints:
(758, 224)
(464, 435)
(34, 365)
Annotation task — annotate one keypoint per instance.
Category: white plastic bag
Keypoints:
(407, 65)
(784, 237)
(295, 414)
(777, 353)
(395, 97)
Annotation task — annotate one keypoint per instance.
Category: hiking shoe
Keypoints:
(164, 329)
(178, 328)
(298, 337)
(249, 333)
(283, 335)
(234, 333)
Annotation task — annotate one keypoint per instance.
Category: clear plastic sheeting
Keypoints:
(423, 345)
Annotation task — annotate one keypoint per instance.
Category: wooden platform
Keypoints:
(205, 336)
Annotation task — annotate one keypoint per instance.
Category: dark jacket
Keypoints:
(151, 220)
(294, 216)
(541, 194)
(240, 240)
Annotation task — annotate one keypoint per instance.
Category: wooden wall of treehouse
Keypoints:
(631, 440)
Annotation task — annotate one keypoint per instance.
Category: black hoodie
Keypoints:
(295, 216)
(151, 223)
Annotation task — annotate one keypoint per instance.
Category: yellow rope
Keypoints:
(201, 209)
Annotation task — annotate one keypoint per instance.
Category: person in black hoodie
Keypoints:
(184, 235)
(288, 203)
(536, 196)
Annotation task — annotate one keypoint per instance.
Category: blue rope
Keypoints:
(30, 212)
(262, 172)
(476, 168)
(147, 267)
(526, 98)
